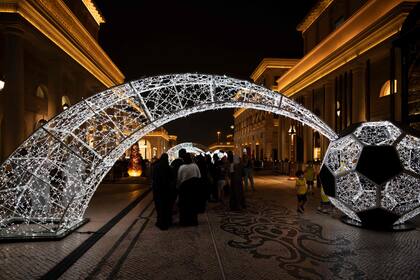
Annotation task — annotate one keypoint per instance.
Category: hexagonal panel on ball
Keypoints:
(372, 174)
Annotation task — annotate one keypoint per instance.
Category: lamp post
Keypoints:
(218, 137)
(292, 133)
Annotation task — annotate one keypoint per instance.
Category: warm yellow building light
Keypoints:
(386, 88)
(94, 11)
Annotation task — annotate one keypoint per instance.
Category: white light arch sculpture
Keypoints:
(47, 183)
(190, 147)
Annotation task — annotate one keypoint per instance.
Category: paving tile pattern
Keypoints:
(268, 240)
(31, 260)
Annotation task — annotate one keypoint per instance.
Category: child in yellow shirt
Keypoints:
(301, 190)
(325, 202)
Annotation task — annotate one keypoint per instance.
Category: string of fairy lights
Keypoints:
(190, 147)
(355, 192)
(47, 183)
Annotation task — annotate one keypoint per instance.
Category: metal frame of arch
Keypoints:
(189, 146)
(47, 183)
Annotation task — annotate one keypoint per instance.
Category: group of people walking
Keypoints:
(188, 183)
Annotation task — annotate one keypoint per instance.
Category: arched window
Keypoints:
(145, 148)
(386, 88)
(317, 146)
(65, 102)
(41, 92)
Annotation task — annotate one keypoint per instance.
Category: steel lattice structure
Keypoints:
(47, 183)
(190, 147)
(373, 173)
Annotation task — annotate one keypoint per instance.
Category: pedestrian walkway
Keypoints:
(267, 241)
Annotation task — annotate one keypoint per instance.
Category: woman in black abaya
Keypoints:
(163, 186)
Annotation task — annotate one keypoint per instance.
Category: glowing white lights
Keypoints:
(47, 183)
(394, 189)
(193, 148)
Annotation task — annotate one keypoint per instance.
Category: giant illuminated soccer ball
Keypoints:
(372, 174)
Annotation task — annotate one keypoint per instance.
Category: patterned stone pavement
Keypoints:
(267, 241)
(31, 260)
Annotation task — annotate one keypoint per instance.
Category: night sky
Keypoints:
(147, 38)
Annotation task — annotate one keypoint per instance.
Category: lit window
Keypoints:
(41, 92)
(338, 109)
(65, 102)
(386, 88)
(317, 153)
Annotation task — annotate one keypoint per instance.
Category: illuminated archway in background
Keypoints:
(188, 146)
(47, 183)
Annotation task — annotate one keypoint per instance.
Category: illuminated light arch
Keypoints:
(47, 183)
(190, 147)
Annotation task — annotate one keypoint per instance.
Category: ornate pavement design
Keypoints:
(300, 245)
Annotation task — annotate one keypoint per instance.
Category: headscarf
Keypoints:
(164, 161)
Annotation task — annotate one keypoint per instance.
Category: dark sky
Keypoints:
(154, 37)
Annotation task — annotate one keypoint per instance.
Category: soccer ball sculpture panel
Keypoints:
(372, 174)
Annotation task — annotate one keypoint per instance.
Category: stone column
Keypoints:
(359, 95)
(280, 138)
(329, 112)
(398, 77)
(308, 132)
(285, 138)
(54, 89)
(14, 112)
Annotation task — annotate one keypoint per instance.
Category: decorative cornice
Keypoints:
(94, 11)
(161, 134)
(374, 23)
(238, 112)
(56, 21)
(313, 14)
(265, 64)
(272, 63)
(221, 145)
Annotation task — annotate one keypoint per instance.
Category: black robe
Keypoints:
(163, 186)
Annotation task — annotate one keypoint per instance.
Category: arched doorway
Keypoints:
(71, 154)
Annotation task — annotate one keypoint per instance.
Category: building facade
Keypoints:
(257, 132)
(50, 59)
(155, 143)
(360, 63)
(225, 146)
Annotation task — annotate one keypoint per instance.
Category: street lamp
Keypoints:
(292, 133)
(218, 137)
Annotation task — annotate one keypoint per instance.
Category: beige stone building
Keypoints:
(226, 145)
(360, 63)
(257, 132)
(49, 59)
(155, 143)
